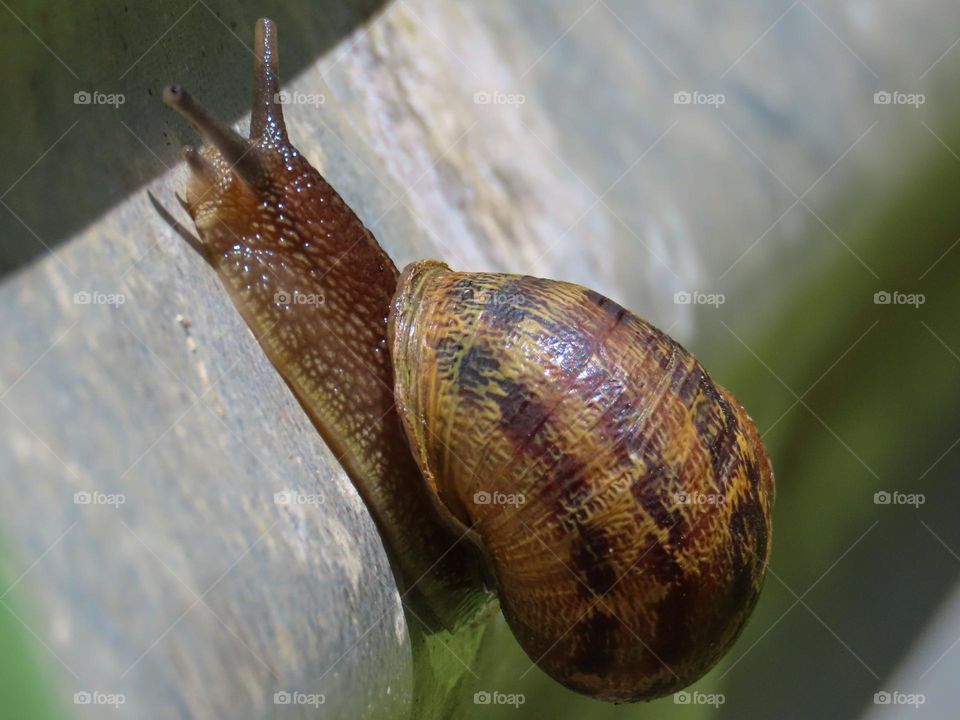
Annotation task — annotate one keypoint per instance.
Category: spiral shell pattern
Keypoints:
(622, 497)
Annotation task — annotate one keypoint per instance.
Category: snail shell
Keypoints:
(622, 497)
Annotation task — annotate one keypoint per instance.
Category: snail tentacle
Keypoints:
(266, 117)
(236, 150)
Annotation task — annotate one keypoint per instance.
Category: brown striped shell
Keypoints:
(622, 497)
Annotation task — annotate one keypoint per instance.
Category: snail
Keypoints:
(520, 442)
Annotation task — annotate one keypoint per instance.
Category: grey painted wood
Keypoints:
(200, 594)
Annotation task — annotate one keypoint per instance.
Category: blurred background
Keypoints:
(773, 183)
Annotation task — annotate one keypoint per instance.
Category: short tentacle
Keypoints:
(183, 203)
(200, 166)
(193, 241)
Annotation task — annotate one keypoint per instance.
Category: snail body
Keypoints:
(510, 432)
(314, 287)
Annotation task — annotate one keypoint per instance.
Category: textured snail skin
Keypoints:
(315, 288)
(623, 498)
(626, 514)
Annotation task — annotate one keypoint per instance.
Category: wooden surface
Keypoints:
(200, 595)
